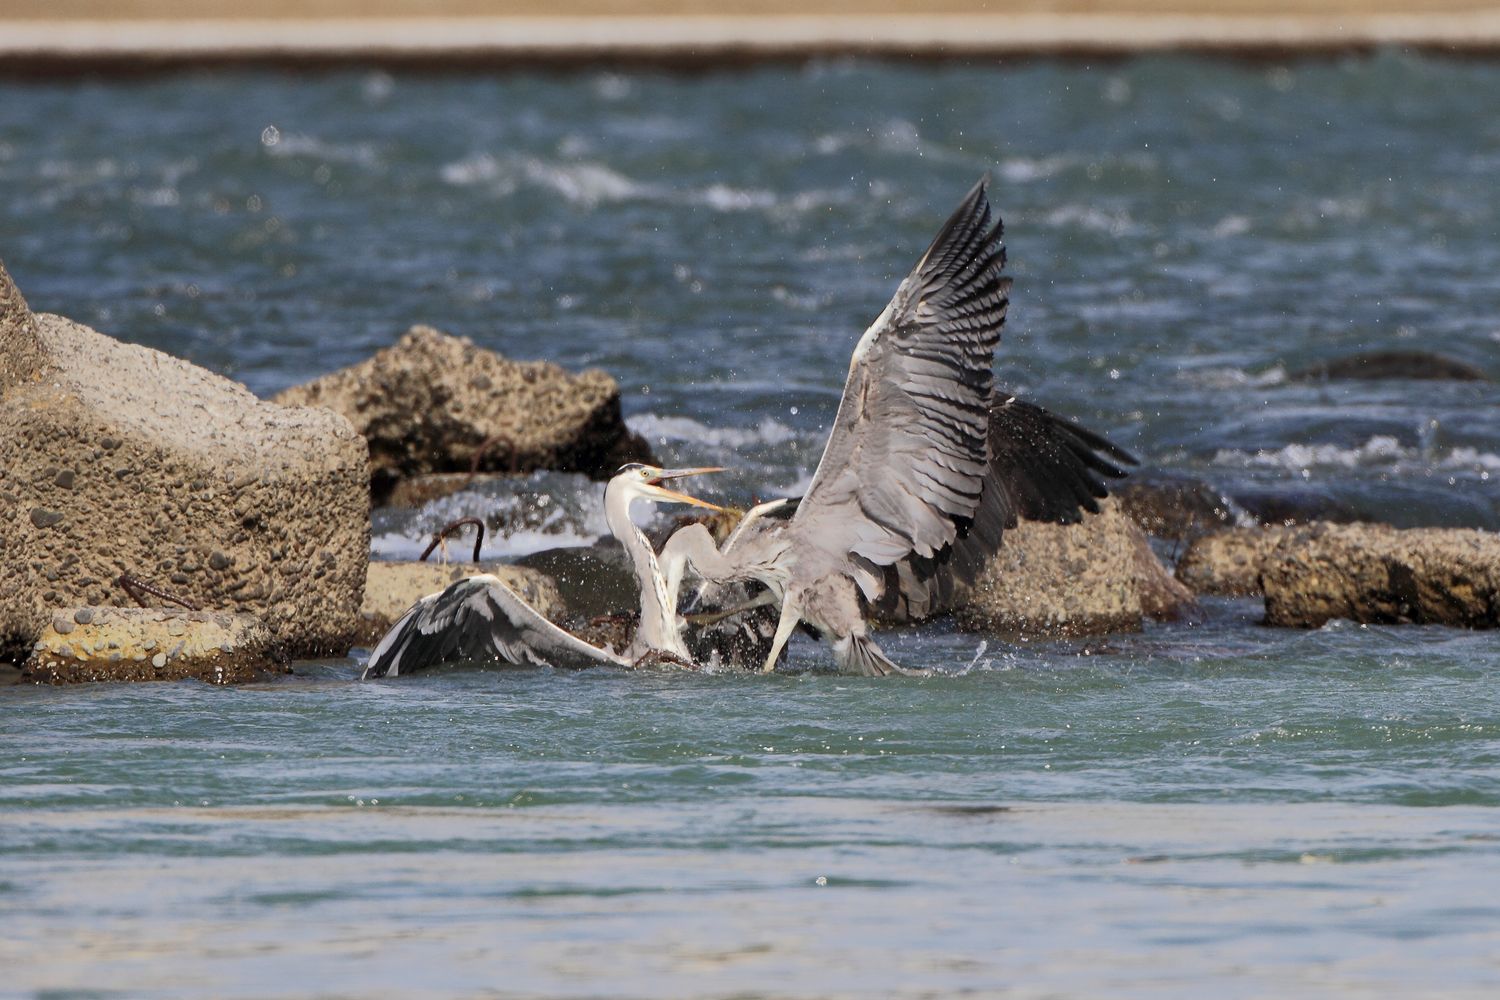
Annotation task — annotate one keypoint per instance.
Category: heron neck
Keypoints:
(655, 630)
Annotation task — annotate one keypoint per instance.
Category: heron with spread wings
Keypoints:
(924, 469)
(480, 618)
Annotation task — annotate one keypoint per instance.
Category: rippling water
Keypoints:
(1286, 813)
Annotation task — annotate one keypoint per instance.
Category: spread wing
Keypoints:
(478, 618)
(1042, 468)
(906, 459)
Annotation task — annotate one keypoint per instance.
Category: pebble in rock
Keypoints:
(116, 644)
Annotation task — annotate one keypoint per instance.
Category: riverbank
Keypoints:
(96, 37)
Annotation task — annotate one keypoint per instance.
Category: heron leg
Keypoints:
(712, 617)
(791, 614)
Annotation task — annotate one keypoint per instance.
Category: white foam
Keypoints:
(661, 430)
(1380, 452)
(289, 144)
(1229, 378)
(393, 545)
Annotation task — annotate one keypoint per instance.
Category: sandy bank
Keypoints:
(751, 31)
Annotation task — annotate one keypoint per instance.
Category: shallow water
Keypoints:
(1284, 813)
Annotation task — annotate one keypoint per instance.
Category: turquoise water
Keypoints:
(1274, 813)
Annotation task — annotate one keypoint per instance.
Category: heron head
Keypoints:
(645, 482)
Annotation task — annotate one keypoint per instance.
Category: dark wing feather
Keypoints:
(478, 618)
(906, 459)
(1042, 468)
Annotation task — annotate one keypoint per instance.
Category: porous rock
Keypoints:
(116, 458)
(152, 644)
(1082, 579)
(433, 402)
(1227, 563)
(393, 587)
(1378, 574)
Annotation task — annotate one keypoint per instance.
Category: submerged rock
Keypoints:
(436, 403)
(1051, 579)
(1379, 574)
(152, 644)
(393, 587)
(1393, 364)
(1228, 563)
(116, 458)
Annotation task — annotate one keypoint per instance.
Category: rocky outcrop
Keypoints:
(436, 403)
(1393, 364)
(1228, 563)
(1050, 579)
(115, 458)
(1379, 574)
(393, 587)
(150, 644)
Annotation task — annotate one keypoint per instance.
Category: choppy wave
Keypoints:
(590, 183)
(664, 430)
(1230, 377)
(1380, 453)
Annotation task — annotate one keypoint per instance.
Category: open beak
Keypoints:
(666, 494)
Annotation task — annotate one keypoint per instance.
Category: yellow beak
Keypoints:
(676, 497)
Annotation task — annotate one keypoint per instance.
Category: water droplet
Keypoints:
(821, 880)
(270, 135)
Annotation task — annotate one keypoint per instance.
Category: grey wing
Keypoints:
(1043, 467)
(478, 618)
(906, 459)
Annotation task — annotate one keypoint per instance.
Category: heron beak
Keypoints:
(672, 495)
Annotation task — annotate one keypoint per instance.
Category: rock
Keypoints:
(593, 579)
(1376, 573)
(417, 491)
(168, 465)
(1177, 507)
(1393, 364)
(432, 402)
(393, 587)
(1163, 596)
(1228, 563)
(1051, 579)
(1287, 503)
(117, 644)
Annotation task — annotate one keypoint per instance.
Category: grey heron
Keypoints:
(479, 618)
(924, 468)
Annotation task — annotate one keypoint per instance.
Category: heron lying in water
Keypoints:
(480, 618)
(923, 470)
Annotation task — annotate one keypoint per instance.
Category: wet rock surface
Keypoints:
(152, 644)
(1393, 364)
(1173, 506)
(434, 403)
(1060, 580)
(1228, 563)
(1380, 574)
(393, 587)
(120, 459)
(592, 580)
